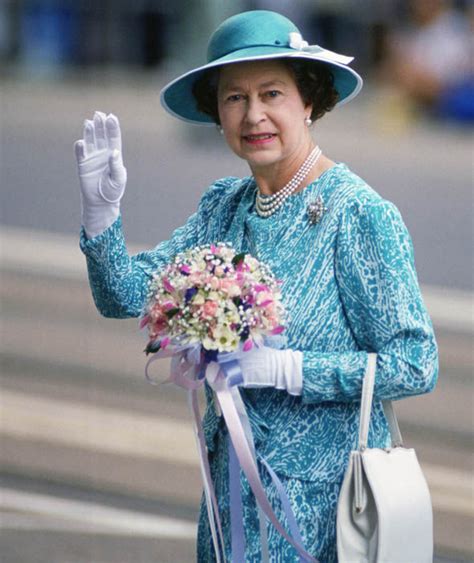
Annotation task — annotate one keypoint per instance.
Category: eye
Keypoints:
(234, 98)
(272, 93)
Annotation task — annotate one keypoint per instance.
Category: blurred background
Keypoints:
(97, 465)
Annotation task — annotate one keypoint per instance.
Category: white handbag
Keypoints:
(384, 511)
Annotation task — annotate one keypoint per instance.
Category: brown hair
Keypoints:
(314, 80)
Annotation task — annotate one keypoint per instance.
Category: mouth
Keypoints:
(259, 138)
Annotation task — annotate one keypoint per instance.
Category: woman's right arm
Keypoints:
(119, 282)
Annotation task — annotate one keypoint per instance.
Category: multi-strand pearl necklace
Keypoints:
(266, 205)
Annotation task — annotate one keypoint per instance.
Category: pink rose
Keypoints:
(210, 308)
(167, 285)
(264, 298)
(167, 305)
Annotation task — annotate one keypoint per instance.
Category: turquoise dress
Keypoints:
(350, 287)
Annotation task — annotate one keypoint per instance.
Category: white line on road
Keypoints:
(103, 429)
(94, 517)
(112, 430)
(46, 254)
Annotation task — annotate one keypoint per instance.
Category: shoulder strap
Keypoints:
(395, 433)
(366, 408)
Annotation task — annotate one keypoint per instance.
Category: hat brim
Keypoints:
(178, 99)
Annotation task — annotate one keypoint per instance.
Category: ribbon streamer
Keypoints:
(185, 372)
(244, 454)
(223, 377)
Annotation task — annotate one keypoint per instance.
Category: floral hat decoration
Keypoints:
(252, 36)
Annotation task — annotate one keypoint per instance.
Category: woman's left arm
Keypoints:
(378, 285)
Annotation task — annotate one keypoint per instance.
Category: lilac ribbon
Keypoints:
(186, 370)
(244, 454)
(236, 508)
(231, 367)
(285, 501)
(223, 377)
(185, 365)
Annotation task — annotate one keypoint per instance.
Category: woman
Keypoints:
(343, 253)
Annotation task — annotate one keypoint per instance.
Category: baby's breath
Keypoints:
(213, 295)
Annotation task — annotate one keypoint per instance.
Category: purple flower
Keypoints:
(190, 293)
(210, 356)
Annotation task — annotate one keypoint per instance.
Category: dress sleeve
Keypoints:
(119, 282)
(376, 276)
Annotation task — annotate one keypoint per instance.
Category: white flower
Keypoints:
(226, 340)
(297, 42)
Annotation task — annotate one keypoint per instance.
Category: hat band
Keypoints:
(248, 46)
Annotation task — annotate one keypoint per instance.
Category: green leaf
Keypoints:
(172, 312)
(152, 347)
(238, 258)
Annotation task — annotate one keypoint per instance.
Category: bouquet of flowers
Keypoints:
(210, 301)
(212, 296)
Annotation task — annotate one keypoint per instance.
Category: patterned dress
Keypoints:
(350, 287)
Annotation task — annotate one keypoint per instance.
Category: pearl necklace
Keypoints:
(266, 205)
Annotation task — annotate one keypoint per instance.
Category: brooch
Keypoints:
(316, 210)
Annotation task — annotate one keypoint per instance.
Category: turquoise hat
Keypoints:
(252, 36)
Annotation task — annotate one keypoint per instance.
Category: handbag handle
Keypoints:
(366, 408)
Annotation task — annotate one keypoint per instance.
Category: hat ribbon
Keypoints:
(297, 42)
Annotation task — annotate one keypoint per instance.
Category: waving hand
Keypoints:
(102, 175)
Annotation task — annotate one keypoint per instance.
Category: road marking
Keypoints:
(104, 429)
(99, 517)
(46, 254)
(115, 431)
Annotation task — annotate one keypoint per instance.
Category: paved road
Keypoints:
(425, 169)
(79, 423)
(95, 462)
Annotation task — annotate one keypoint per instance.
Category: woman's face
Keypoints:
(262, 113)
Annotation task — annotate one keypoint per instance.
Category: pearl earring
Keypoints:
(308, 121)
(219, 128)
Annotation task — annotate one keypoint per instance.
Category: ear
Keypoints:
(308, 110)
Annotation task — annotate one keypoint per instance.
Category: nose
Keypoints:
(255, 111)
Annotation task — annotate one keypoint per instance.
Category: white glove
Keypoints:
(267, 367)
(102, 175)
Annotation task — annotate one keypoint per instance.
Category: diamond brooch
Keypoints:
(316, 210)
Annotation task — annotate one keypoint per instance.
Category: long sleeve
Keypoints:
(378, 286)
(119, 283)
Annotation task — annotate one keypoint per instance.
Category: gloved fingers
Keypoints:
(99, 127)
(112, 133)
(118, 172)
(109, 192)
(89, 137)
(113, 180)
(79, 151)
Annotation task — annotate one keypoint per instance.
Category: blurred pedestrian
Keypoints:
(343, 254)
(431, 59)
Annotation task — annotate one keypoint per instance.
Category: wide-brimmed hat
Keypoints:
(252, 36)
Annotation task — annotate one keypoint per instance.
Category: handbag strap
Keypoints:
(397, 440)
(366, 408)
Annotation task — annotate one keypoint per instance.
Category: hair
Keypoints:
(314, 80)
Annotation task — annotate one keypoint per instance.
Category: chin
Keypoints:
(263, 158)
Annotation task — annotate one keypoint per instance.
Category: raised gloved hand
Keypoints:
(102, 175)
(267, 367)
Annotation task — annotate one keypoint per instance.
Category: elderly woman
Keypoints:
(343, 254)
